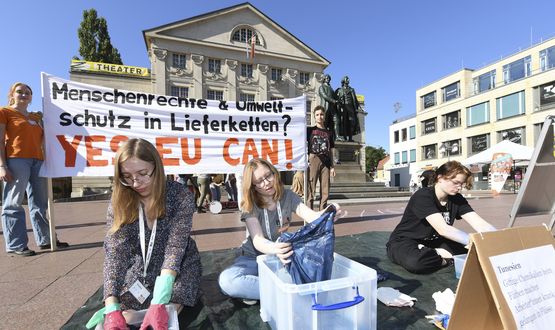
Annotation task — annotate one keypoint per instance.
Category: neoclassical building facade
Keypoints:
(235, 53)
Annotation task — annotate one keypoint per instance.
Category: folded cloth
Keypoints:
(444, 301)
(394, 297)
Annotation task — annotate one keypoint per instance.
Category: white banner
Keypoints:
(84, 125)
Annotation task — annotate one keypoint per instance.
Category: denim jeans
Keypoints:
(25, 173)
(240, 280)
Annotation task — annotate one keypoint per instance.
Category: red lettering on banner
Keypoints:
(227, 156)
(185, 151)
(250, 150)
(160, 141)
(115, 143)
(289, 153)
(271, 152)
(70, 149)
(92, 151)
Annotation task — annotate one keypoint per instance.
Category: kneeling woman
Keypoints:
(151, 259)
(425, 239)
(267, 209)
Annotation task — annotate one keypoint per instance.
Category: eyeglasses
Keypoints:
(21, 92)
(141, 178)
(457, 183)
(269, 177)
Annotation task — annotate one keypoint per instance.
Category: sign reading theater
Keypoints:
(78, 65)
(85, 124)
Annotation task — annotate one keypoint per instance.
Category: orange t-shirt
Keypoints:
(23, 137)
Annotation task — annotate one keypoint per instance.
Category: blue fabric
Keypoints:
(25, 172)
(313, 245)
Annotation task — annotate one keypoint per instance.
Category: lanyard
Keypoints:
(142, 239)
(268, 221)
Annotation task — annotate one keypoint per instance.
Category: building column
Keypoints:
(262, 82)
(197, 76)
(231, 80)
(159, 72)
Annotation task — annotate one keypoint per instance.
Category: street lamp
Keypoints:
(449, 147)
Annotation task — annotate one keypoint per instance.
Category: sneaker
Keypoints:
(24, 252)
(59, 245)
(249, 302)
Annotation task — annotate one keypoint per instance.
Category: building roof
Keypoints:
(147, 34)
(382, 162)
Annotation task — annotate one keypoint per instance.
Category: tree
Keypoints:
(373, 156)
(94, 40)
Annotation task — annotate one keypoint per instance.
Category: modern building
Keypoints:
(235, 53)
(402, 148)
(470, 110)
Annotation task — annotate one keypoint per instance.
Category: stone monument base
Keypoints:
(350, 168)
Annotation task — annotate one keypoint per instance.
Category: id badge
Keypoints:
(139, 291)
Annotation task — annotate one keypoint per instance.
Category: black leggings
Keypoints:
(405, 252)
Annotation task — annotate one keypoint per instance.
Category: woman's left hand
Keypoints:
(339, 213)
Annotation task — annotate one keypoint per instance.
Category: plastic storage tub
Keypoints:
(346, 301)
(459, 261)
(136, 318)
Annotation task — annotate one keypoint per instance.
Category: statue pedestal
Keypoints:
(349, 168)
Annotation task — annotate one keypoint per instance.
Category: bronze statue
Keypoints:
(349, 106)
(328, 100)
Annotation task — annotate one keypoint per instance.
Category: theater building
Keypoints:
(470, 110)
(235, 53)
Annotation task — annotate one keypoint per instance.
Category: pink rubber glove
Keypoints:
(115, 321)
(156, 317)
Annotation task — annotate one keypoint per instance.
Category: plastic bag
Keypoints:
(313, 245)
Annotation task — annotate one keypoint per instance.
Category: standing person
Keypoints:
(230, 187)
(203, 181)
(151, 259)
(425, 239)
(267, 209)
(328, 100)
(320, 159)
(349, 104)
(21, 156)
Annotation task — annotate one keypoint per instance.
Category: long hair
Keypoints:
(450, 170)
(125, 201)
(250, 196)
(12, 90)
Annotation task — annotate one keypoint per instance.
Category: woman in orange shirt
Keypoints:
(21, 157)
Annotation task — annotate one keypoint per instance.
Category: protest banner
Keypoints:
(85, 124)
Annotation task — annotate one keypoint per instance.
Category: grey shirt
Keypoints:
(288, 202)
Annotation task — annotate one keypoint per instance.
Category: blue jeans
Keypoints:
(240, 280)
(25, 173)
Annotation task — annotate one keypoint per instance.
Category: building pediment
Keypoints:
(216, 30)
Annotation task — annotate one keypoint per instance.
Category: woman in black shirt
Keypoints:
(425, 239)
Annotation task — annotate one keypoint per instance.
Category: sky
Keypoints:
(388, 48)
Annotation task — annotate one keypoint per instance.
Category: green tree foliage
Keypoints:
(94, 40)
(373, 156)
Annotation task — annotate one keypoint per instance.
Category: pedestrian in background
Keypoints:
(21, 156)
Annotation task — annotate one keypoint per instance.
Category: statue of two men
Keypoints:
(341, 109)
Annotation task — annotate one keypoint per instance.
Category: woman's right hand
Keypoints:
(283, 251)
(5, 174)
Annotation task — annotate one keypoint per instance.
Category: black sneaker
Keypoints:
(24, 252)
(59, 245)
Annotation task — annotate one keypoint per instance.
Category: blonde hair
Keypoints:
(125, 200)
(250, 196)
(12, 90)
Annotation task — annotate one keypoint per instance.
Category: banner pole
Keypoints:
(51, 222)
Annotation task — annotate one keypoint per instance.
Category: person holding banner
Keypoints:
(267, 209)
(21, 157)
(150, 257)
(425, 239)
